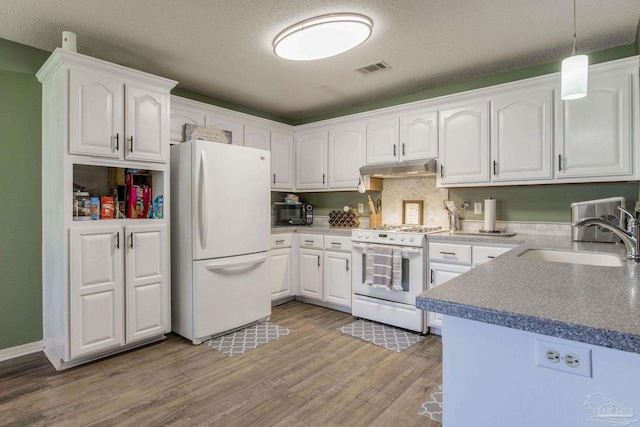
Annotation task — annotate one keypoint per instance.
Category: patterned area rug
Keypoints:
(382, 335)
(239, 342)
(432, 408)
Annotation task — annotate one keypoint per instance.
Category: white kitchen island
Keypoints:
(534, 343)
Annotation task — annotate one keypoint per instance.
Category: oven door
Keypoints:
(413, 275)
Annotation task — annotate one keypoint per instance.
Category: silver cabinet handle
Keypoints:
(130, 240)
(131, 144)
(318, 260)
(324, 178)
(309, 242)
(559, 162)
(394, 150)
(431, 276)
(117, 138)
(441, 171)
(336, 244)
(274, 178)
(403, 154)
(347, 261)
(449, 253)
(117, 240)
(494, 168)
(279, 242)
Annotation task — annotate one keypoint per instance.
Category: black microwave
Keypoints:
(298, 214)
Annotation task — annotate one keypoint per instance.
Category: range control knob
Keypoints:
(413, 238)
(359, 235)
(366, 235)
(402, 238)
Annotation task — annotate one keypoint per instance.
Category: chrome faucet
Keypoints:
(630, 236)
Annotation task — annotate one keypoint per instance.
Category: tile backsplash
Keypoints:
(398, 189)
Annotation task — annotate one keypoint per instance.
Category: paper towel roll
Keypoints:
(69, 41)
(489, 215)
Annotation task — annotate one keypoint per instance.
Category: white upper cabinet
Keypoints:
(181, 116)
(96, 119)
(236, 128)
(411, 136)
(464, 144)
(282, 161)
(419, 135)
(147, 124)
(595, 133)
(347, 153)
(311, 160)
(522, 135)
(382, 140)
(257, 137)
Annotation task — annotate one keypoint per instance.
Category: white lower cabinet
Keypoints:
(119, 287)
(440, 273)
(324, 270)
(282, 283)
(337, 270)
(448, 260)
(310, 273)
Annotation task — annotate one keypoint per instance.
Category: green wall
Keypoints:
(20, 210)
(544, 203)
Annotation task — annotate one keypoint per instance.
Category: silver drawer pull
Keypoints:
(490, 257)
(336, 244)
(449, 253)
(309, 242)
(279, 242)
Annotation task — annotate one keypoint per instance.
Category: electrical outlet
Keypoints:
(360, 207)
(563, 357)
(477, 208)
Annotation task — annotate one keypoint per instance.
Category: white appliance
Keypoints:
(221, 217)
(392, 307)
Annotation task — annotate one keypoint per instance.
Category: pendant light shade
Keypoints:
(322, 37)
(575, 72)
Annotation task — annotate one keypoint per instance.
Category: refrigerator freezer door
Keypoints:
(229, 293)
(232, 198)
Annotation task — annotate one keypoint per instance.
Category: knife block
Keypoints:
(375, 220)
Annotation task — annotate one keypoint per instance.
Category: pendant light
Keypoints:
(322, 37)
(575, 71)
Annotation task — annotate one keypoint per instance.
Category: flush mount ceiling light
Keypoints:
(575, 71)
(322, 37)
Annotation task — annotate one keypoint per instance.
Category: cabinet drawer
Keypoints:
(338, 243)
(281, 240)
(310, 240)
(459, 254)
(482, 254)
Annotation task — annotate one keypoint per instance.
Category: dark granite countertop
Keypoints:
(591, 304)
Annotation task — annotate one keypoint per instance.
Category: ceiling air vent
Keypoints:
(373, 68)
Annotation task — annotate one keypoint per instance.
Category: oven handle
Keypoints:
(404, 249)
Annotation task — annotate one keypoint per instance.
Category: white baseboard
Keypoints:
(21, 350)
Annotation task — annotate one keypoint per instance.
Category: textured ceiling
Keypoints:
(223, 48)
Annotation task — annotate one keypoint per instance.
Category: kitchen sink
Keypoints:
(585, 258)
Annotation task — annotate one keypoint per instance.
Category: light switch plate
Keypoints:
(360, 207)
(477, 208)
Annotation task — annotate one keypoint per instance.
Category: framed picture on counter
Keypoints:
(412, 212)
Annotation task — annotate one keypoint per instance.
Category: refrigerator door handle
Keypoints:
(204, 214)
(236, 264)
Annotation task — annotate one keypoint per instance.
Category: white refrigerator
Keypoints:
(220, 228)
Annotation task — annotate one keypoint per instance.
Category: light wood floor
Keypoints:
(315, 376)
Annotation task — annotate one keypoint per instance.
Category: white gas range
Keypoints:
(382, 304)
